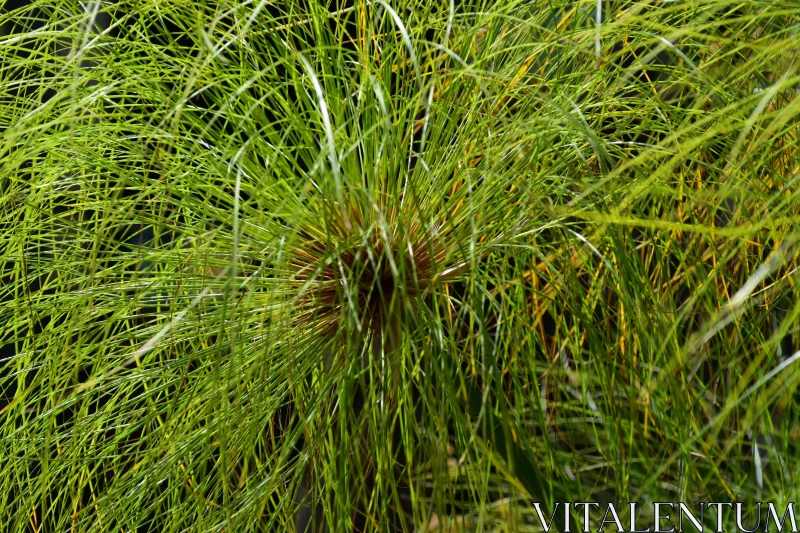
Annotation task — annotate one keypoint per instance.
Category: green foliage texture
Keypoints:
(394, 265)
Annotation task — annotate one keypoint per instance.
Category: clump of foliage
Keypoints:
(394, 266)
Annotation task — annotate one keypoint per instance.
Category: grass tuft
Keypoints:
(394, 266)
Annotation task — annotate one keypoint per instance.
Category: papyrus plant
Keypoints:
(378, 266)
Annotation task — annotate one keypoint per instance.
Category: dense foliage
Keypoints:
(394, 265)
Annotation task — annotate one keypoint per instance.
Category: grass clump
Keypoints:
(394, 266)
